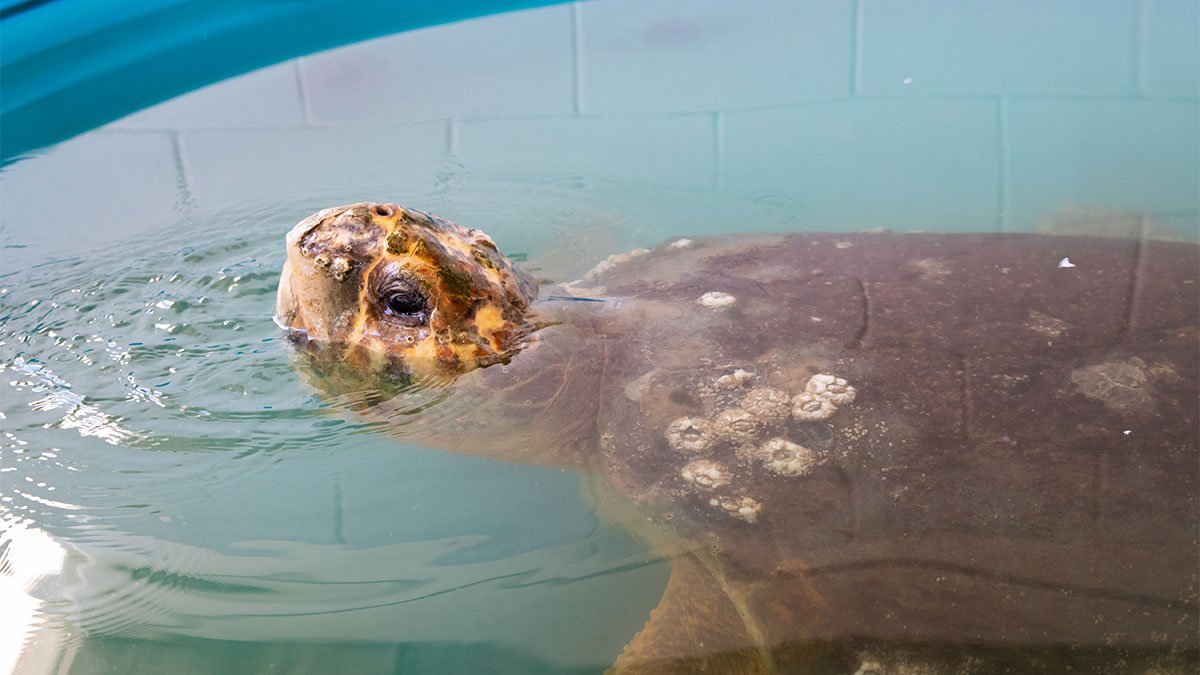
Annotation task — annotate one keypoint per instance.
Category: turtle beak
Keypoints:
(327, 256)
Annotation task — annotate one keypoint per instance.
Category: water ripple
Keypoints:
(156, 438)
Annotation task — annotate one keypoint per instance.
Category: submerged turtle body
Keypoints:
(945, 451)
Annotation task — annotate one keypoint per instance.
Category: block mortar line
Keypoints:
(201, 128)
(1138, 61)
(339, 530)
(183, 190)
(718, 119)
(576, 59)
(302, 92)
(1101, 98)
(851, 98)
(452, 137)
(856, 49)
(1004, 198)
(1137, 276)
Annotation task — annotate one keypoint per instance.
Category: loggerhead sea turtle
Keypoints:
(888, 452)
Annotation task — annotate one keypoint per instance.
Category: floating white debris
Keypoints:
(682, 243)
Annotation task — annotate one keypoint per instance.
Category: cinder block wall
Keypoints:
(920, 114)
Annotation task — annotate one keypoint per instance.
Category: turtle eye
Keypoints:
(397, 297)
(405, 303)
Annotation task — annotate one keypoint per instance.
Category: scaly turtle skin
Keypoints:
(907, 453)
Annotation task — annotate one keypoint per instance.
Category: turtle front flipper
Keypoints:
(696, 628)
(703, 625)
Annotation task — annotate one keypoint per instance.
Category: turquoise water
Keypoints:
(174, 499)
(157, 431)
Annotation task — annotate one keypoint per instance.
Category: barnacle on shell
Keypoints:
(742, 508)
(705, 474)
(836, 389)
(612, 261)
(821, 397)
(738, 378)
(716, 299)
(786, 458)
(689, 434)
(339, 267)
(335, 266)
(810, 407)
(735, 425)
(768, 405)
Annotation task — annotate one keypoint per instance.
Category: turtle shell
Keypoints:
(927, 452)
(970, 441)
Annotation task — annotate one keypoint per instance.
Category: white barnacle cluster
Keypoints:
(738, 378)
(735, 425)
(832, 387)
(742, 507)
(612, 261)
(689, 434)
(822, 397)
(761, 408)
(767, 404)
(808, 407)
(335, 266)
(753, 424)
(716, 300)
(705, 474)
(783, 457)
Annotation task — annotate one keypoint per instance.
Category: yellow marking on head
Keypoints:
(467, 354)
(423, 357)
(488, 320)
(456, 243)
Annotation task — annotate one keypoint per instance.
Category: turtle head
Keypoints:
(385, 288)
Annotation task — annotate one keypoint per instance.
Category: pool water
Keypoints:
(157, 430)
(173, 498)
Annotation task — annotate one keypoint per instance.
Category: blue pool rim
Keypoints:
(67, 66)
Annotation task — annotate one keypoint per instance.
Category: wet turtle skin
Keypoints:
(898, 452)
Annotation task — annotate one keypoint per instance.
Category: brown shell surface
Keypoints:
(1018, 465)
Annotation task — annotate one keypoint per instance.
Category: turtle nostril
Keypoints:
(383, 210)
